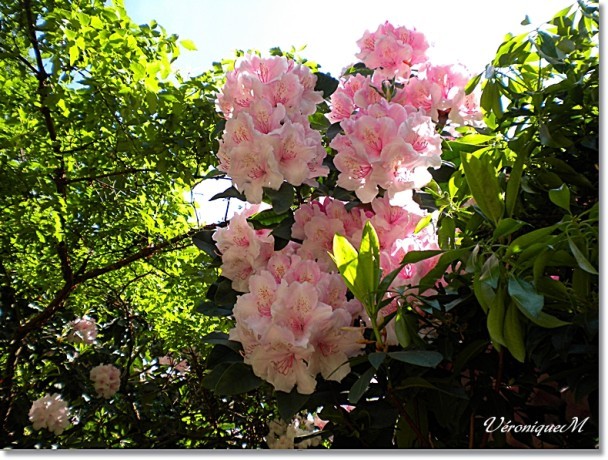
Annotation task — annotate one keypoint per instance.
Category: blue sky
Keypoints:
(467, 31)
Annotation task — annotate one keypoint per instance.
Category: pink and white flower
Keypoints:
(50, 412)
(106, 380)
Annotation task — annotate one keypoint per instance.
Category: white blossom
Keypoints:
(50, 412)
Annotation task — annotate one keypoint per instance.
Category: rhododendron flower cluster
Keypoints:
(295, 322)
(388, 147)
(106, 380)
(245, 251)
(84, 330)
(294, 319)
(268, 138)
(392, 50)
(50, 412)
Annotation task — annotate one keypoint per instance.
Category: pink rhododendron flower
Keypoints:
(50, 412)
(84, 330)
(267, 138)
(392, 50)
(391, 151)
(244, 250)
(106, 380)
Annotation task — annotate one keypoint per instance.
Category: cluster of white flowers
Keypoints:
(106, 379)
(282, 435)
(50, 412)
(84, 330)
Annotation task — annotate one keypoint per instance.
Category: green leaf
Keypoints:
(496, 317)
(483, 183)
(376, 359)
(490, 271)
(472, 84)
(290, 403)
(471, 350)
(484, 294)
(429, 280)
(581, 259)
(423, 222)
(525, 297)
(326, 83)
(421, 358)
(230, 192)
(188, 44)
(74, 54)
(506, 227)
(281, 199)
(208, 308)
(204, 241)
(368, 267)
(231, 378)
(360, 386)
(522, 242)
(513, 333)
(401, 330)
(346, 259)
(561, 197)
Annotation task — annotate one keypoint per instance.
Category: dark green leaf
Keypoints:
(230, 192)
(525, 297)
(581, 259)
(421, 358)
(376, 359)
(326, 83)
(231, 378)
(281, 199)
(290, 403)
(360, 386)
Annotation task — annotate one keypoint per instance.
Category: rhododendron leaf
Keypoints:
(231, 379)
(506, 227)
(522, 242)
(401, 330)
(428, 281)
(360, 386)
(580, 258)
(290, 403)
(421, 358)
(333, 130)
(471, 350)
(496, 317)
(281, 199)
(561, 197)
(525, 297)
(204, 241)
(376, 359)
(368, 268)
(472, 84)
(423, 223)
(326, 83)
(230, 192)
(221, 292)
(483, 183)
(346, 259)
(490, 271)
(211, 309)
(513, 333)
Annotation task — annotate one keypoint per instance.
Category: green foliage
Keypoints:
(101, 143)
